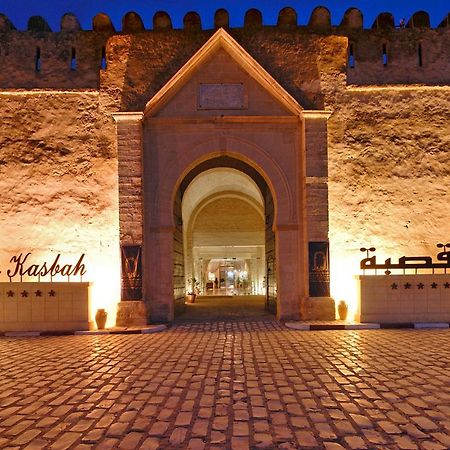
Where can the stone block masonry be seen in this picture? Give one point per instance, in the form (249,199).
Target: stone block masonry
(129,139)
(45,306)
(404,298)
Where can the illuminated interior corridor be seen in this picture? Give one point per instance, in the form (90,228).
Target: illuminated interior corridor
(224,245)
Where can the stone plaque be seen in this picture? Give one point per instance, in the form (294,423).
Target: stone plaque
(221,96)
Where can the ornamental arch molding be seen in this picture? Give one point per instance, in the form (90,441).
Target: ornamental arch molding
(247,153)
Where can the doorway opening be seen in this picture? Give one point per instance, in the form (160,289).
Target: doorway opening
(223,214)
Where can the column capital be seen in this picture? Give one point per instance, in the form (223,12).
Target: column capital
(128,117)
(321,114)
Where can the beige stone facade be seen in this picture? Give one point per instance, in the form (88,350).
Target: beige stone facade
(328,153)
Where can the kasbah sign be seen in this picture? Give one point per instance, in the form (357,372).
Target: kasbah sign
(21,267)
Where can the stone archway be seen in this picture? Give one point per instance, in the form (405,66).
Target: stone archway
(223,212)
(223,104)
(160,224)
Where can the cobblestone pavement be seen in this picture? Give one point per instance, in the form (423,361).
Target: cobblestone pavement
(227,386)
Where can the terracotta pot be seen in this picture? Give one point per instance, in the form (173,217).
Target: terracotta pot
(191,298)
(342,310)
(100,318)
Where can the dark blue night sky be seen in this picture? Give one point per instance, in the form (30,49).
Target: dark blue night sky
(19,11)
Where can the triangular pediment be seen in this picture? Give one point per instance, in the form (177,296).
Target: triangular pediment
(222,77)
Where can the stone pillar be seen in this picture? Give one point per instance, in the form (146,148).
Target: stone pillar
(290,286)
(158,275)
(317,304)
(131,310)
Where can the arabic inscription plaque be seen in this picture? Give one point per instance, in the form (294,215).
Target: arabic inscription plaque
(221,96)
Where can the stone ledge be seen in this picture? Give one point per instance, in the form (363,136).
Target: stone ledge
(322,326)
(117,330)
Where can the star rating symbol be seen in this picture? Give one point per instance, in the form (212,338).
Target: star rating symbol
(447,285)
(434,285)
(407,285)
(394,286)
(24,294)
(38,293)
(420,286)
(52,293)
(10,294)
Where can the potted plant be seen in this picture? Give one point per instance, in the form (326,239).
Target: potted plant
(192,290)
(342,310)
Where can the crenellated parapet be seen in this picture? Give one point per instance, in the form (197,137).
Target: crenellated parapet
(320,18)
(390,51)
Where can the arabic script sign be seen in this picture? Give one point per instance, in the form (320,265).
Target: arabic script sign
(408,262)
(21,267)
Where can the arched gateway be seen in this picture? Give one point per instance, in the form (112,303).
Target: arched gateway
(223,110)
(223,217)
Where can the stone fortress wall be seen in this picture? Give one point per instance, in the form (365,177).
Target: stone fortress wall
(388,135)
(413,54)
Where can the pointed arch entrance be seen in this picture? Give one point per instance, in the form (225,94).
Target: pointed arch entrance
(224,237)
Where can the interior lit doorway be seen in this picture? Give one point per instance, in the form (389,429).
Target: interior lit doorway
(231,276)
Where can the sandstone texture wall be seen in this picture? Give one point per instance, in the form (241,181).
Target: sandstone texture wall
(58,184)
(413,55)
(140,65)
(19,50)
(389,174)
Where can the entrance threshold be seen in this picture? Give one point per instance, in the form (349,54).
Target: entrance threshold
(214,308)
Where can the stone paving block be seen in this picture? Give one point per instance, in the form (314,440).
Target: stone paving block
(306,439)
(131,441)
(430,445)
(150,444)
(117,429)
(196,444)
(240,443)
(26,437)
(158,428)
(93,436)
(355,442)
(405,443)
(108,444)
(65,441)
(35,444)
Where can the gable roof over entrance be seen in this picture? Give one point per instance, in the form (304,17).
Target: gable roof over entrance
(222,40)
